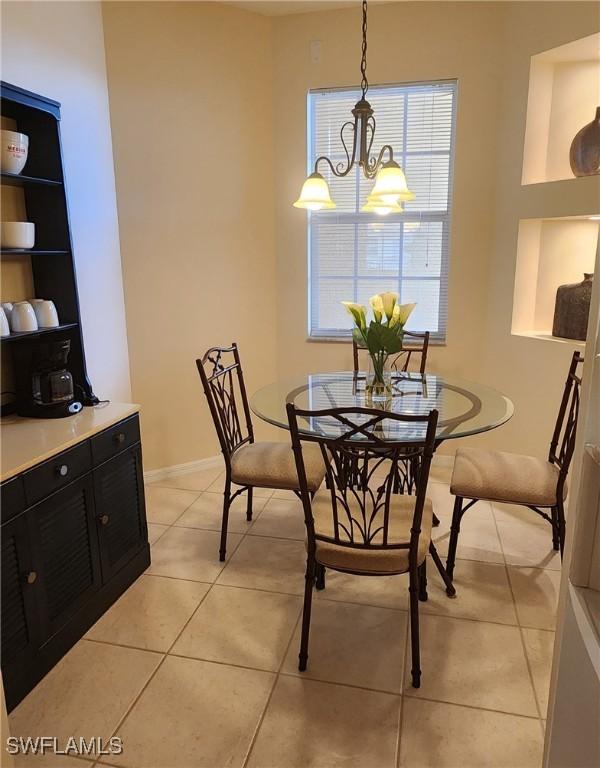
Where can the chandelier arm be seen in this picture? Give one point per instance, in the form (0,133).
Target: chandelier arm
(372,167)
(350,160)
(370,130)
(325,159)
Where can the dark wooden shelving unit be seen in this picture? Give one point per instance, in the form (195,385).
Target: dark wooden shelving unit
(73,528)
(52,264)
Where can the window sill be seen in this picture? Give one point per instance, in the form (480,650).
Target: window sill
(339,340)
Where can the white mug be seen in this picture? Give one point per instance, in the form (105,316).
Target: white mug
(45,312)
(17,234)
(7,306)
(4,328)
(15,147)
(23,317)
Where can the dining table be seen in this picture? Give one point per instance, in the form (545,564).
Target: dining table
(464,407)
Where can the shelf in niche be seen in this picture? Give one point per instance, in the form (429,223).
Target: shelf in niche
(40,332)
(550,252)
(564,91)
(20,180)
(547,336)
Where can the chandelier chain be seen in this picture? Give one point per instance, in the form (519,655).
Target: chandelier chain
(363,62)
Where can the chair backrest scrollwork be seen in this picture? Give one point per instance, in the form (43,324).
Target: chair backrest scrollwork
(562,444)
(361,459)
(221,374)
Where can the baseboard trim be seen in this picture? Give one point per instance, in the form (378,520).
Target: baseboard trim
(211,462)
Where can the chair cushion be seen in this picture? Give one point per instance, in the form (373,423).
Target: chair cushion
(373,561)
(508,477)
(272,465)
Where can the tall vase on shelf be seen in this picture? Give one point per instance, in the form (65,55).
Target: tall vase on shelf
(382,337)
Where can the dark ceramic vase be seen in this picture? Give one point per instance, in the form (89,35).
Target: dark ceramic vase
(585,149)
(572,309)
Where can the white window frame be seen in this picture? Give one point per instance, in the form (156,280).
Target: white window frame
(340,335)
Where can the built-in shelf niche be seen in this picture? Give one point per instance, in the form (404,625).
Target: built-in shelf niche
(564,91)
(550,252)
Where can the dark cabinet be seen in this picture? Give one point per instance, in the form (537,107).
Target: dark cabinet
(70,554)
(64,543)
(20,620)
(119,494)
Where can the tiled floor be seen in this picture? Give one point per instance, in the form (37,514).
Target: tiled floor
(196,665)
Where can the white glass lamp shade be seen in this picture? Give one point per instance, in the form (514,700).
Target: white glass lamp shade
(377,205)
(390,184)
(315,194)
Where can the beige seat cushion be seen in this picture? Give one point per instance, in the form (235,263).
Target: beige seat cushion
(509,477)
(272,465)
(371,560)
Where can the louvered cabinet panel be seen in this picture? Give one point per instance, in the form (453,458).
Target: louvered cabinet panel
(19,625)
(120,510)
(66,547)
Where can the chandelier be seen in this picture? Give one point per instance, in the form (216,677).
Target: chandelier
(390,189)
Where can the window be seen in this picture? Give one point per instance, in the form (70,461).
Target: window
(353,255)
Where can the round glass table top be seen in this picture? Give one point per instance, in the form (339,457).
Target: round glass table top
(465,408)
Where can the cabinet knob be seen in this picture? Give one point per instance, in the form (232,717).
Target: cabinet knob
(62,470)
(31,577)
(104,519)
(120,437)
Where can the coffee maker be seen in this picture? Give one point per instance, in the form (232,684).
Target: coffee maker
(52,392)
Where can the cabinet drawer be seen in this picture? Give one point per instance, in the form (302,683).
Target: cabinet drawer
(12,498)
(115,439)
(56,472)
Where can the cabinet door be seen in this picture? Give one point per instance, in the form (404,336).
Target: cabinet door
(120,510)
(20,582)
(65,545)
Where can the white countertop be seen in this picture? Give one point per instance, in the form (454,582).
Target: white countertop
(25,442)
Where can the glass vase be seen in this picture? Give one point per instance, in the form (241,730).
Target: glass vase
(379,376)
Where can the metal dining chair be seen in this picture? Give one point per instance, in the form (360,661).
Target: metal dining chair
(402,360)
(514,479)
(248,464)
(367,530)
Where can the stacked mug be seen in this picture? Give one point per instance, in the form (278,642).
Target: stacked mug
(24,316)
(14,149)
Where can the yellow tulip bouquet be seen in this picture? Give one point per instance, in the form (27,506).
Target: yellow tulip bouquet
(383,335)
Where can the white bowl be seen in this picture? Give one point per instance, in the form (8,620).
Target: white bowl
(14,149)
(17,234)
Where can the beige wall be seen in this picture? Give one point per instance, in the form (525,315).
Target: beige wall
(57,49)
(208,115)
(191,109)
(487,47)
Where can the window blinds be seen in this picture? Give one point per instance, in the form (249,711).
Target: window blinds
(353,255)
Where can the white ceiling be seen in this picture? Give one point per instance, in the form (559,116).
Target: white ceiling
(283,7)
